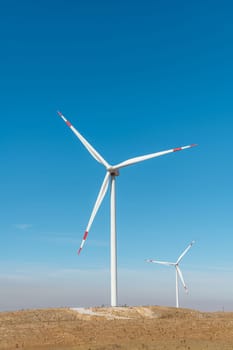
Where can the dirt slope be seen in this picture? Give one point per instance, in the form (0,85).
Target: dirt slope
(123,328)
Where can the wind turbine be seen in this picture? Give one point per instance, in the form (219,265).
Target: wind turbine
(111,172)
(178,271)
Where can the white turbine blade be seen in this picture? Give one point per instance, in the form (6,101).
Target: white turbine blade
(185,251)
(181,278)
(160,262)
(99,200)
(86,144)
(149,156)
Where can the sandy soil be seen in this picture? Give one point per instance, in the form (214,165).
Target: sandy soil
(136,328)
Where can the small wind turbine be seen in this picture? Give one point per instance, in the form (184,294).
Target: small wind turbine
(178,271)
(111,172)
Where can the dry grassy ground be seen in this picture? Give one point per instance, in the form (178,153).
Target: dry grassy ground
(123,328)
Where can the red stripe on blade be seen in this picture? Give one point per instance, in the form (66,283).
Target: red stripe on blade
(68,123)
(177,149)
(79,251)
(193,145)
(85,235)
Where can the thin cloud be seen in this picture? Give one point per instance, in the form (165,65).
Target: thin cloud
(22,226)
(58,238)
(69,238)
(99,243)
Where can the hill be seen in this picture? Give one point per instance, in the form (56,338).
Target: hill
(122,328)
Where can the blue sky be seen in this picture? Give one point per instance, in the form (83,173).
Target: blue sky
(134,77)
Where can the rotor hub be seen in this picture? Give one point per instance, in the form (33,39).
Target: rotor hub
(114,172)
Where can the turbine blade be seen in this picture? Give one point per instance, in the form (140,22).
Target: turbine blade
(98,202)
(86,144)
(181,278)
(160,262)
(149,156)
(185,251)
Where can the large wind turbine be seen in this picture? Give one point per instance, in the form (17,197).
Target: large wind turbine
(178,271)
(111,172)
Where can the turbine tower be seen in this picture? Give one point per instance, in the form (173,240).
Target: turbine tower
(112,171)
(178,270)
